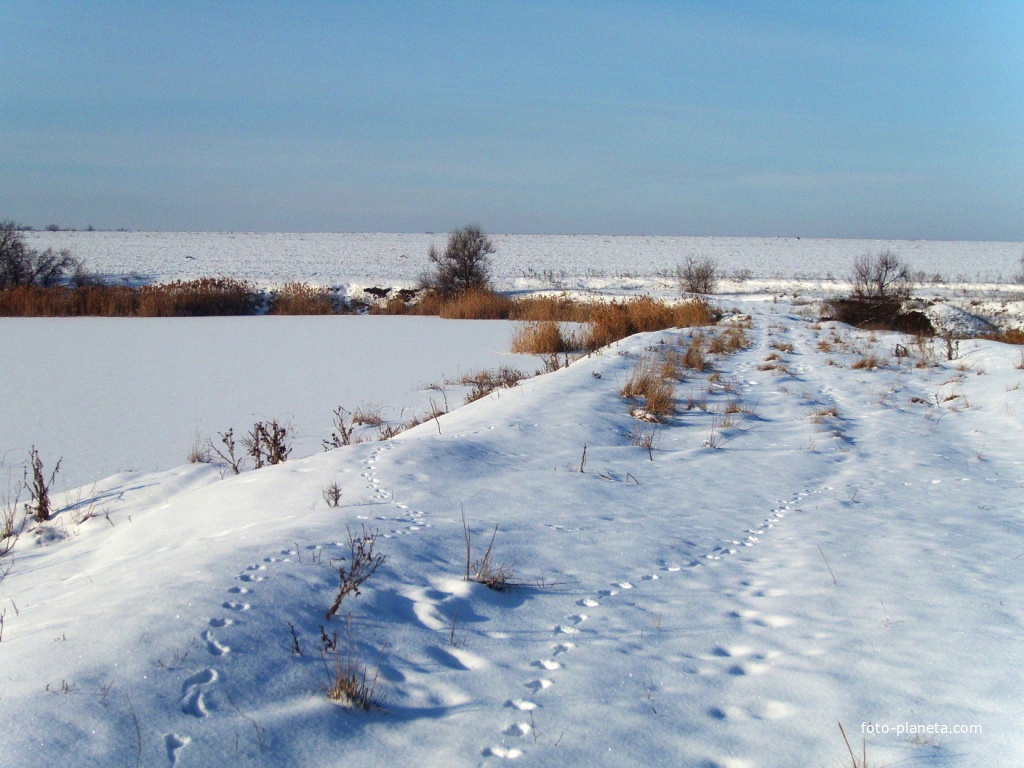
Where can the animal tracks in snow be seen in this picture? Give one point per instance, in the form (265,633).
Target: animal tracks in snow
(215,648)
(174,743)
(193,700)
(733,662)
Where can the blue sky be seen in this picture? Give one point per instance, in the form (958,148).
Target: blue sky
(830,119)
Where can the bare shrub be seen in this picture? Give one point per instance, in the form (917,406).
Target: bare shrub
(880,277)
(267,443)
(363,562)
(332,494)
(38,505)
(485,382)
(462,265)
(24,266)
(540,337)
(226,451)
(11,522)
(344,426)
(697,275)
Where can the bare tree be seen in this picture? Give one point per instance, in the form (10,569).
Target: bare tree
(697,275)
(21,265)
(14,256)
(463,265)
(881,277)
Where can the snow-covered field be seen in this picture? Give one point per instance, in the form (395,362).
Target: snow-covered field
(585,262)
(807,543)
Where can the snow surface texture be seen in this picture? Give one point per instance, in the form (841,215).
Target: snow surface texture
(570,262)
(846,547)
(111,394)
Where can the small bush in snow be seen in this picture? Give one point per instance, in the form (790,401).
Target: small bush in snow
(226,453)
(332,494)
(344,426)
(38,505)
(363,562)
(266,443)
(485,382)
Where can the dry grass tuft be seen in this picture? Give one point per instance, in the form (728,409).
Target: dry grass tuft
(736,339)
(493,575)
(695,358)
(540,337)
(644,437)
(618,319)
(301,299)
(819,415)
(868,361)
(672,366)
(695,401)
(855,761)
(369,415)
(607,321)
(349,683)
(1012,336)
(658,394)
(205,297)
(475,304)
(553,308)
